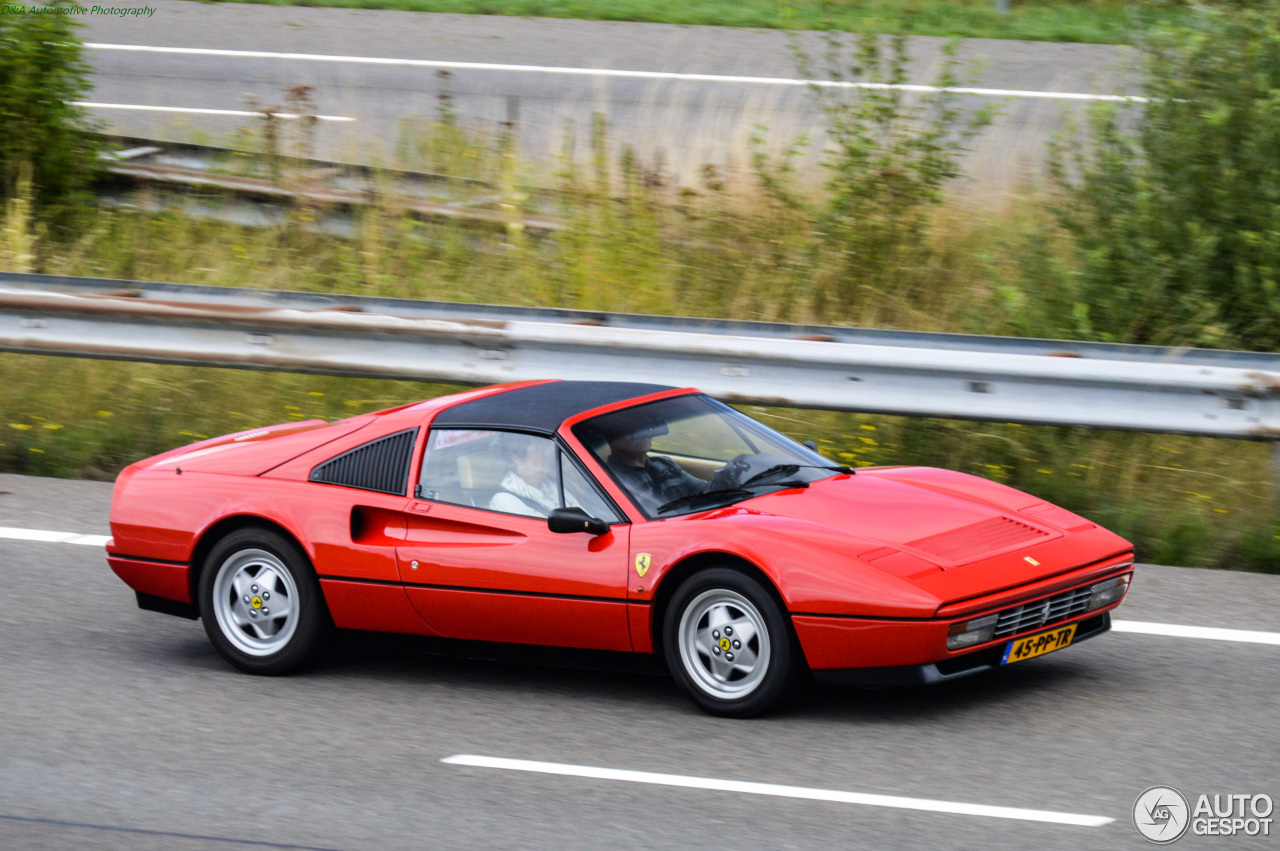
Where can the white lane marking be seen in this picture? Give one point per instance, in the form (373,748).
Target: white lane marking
(778,791)
(191,110)
(45,536)
(608,72)
(1209,633)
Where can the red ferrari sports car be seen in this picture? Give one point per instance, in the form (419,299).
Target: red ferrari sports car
(613,516)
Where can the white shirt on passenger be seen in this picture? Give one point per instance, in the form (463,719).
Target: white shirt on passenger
(520,497)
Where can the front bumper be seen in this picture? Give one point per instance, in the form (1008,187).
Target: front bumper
(948,669)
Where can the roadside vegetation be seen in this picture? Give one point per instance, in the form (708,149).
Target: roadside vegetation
(1123,244)
(48,153)
(1091,21)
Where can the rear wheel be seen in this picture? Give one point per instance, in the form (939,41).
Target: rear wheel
(728,645)
(261,602)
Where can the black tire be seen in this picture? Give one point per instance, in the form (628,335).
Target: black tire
(268,563)
(777,671)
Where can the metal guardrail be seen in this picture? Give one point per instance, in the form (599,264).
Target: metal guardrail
(1049,382)
(280,181)
(448,310)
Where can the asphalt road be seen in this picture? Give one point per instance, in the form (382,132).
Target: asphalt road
(679,125)
(122,728)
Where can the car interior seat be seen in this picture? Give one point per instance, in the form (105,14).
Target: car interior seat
(480,474)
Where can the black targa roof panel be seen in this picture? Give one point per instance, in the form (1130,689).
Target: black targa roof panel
(542,407)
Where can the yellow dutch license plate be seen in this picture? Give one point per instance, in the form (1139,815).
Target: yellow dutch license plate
(1038,644)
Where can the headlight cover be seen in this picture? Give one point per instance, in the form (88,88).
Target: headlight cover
(1108,592)
(968,633)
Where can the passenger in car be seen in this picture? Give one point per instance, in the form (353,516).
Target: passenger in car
(529,487)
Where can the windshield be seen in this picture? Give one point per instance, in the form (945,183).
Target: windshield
(691,453)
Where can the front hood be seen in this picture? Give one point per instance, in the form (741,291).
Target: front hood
(936,528)
(253,452)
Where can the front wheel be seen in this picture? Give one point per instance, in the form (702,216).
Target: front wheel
(728,645)
(261,602)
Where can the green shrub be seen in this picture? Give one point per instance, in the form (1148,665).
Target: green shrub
(889,157)
(42,134)
(1177,223)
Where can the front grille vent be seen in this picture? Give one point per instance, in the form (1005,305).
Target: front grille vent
(987,537)
(381,465)
(1043,612)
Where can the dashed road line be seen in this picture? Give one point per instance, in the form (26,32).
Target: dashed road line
(44,536)
(609,72)
(778,791)
(191,110)
(1208,633)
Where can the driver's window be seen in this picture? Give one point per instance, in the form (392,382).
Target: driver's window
(495,470)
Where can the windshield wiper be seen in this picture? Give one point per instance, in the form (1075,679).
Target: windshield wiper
(742,490)
(695,497)
(772,471)
(791,468)
(839,468)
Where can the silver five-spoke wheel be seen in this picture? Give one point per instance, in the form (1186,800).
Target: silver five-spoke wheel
(261,602)
(255,601)
(728,643)
(724,644)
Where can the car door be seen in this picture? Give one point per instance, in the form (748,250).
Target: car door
(479,562)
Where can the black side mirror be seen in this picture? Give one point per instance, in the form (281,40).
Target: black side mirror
(566,520)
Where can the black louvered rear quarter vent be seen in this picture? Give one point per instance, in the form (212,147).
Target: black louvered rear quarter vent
(380,465)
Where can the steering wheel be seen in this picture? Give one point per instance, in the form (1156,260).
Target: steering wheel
(733,473)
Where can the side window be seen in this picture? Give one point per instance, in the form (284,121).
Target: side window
(579,493)
(495,470)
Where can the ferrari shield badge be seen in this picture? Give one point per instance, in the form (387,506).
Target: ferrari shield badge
(1029,560)
(642,563)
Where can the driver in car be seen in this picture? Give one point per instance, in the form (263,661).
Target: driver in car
(650,481)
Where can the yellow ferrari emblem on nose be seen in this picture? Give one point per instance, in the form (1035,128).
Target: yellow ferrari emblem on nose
(1029,560)
(256,602)
(725,644)
(643,561)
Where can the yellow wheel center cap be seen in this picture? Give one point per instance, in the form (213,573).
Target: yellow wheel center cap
(256,602)
(725,644)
